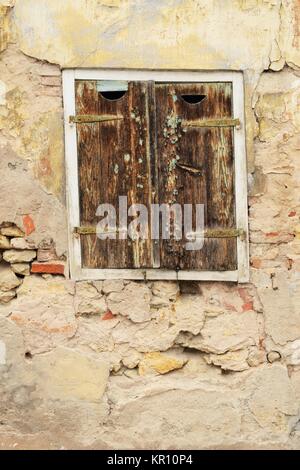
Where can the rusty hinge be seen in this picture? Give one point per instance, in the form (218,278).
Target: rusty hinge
(86,118)
(208,233)
(225,122)
(89,230)
(225,233)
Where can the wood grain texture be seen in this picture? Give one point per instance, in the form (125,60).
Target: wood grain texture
(150,157)
(196,166)
(113,161)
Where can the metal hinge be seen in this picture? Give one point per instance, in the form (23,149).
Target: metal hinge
(88,118)
(93,230)
(208,233)
(225,233)
(225,122)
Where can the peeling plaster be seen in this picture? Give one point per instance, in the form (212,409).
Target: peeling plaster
(202,350)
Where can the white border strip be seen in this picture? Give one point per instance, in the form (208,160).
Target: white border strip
(240,176)
(71,173)
(77,272)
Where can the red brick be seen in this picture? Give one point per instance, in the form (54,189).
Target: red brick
(247,306)
(48,268)
(28,224)
(108,315)
(292,214)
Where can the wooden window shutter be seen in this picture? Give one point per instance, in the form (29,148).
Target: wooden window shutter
(196,165)
(158,143)
(113,160)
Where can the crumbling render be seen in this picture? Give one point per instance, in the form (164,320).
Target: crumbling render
(217,365)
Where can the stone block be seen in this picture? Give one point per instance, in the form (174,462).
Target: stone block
(88,300)
(46,251)
(156,362)
(22,244)
(12,231)
(66,374)
(23,269)
(7,296)
(4,242)
(8,279)
(132,302)
(19,256)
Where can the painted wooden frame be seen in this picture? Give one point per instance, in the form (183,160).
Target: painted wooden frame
(76,270)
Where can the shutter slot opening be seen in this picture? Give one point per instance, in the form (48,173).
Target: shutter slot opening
(193,99)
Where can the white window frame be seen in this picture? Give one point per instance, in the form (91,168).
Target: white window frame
(240,167)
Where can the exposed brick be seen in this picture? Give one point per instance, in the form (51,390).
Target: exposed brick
(48,268)
(28,224)
(108,315)
(247,306)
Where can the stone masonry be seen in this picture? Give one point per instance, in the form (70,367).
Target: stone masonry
(121,364)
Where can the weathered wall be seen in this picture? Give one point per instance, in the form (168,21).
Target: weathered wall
(194,365)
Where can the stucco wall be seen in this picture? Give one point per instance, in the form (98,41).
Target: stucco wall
(139,365)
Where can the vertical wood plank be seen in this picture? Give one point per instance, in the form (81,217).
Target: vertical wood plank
(113,161)
(209,153)
(154,164)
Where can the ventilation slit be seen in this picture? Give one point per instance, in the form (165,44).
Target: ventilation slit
(112,95)
(193,99)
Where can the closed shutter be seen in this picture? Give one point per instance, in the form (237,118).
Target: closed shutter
(196,166)
(160,142)
(113,161)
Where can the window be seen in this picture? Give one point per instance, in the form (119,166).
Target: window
(153,140)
